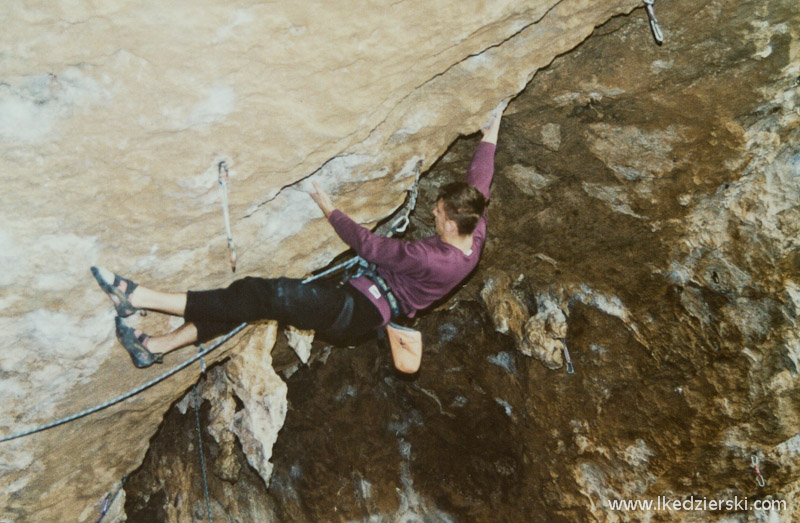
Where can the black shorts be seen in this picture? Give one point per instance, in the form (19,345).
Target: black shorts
(340,314)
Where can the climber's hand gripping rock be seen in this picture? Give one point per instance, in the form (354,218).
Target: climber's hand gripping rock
(322,199)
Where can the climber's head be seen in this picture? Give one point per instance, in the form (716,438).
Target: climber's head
(459,206)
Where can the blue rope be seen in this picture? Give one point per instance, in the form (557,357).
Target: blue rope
(130,394)
(344,265)
(202,456)
(110,499)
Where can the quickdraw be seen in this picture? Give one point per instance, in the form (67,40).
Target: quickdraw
(567,359)
(759,478)
(222,178)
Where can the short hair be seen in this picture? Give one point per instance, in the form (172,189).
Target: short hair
(464,204)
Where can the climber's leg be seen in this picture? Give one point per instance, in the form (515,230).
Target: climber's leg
(184,335)
(128,297)
(169,302)
(135,342)
(286,300)
(336,313)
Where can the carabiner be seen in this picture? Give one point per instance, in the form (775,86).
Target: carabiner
(651,14)
(759,478)
(568,362)
(397,227)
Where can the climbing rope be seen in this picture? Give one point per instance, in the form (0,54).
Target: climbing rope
(759,478)
(651,14)
(344,265)
(222,179)
(202,456)
(202,360)
(567,359)
(110,499)
(130,394)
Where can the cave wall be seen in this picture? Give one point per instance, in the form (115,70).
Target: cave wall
(113,119)
(645,209)
(664,227)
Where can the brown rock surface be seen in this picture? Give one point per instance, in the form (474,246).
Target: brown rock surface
(667,230)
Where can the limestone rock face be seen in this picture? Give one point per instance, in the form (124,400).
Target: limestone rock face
(545,332)
(254,420)
(671,231)
(677,278)
(300,341)
(539,335)
(113,121)
(263,395)
(507,310)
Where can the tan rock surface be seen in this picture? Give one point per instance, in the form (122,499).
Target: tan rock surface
(112,121)
(263,395)
(544,332)
(506,308)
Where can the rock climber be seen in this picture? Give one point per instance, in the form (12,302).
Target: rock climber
(410,276)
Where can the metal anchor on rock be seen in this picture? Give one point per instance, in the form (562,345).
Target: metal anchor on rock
(651,14)
(759,478)
(568,361)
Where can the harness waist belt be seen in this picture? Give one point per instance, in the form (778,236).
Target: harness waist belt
(387,291)
(364,268)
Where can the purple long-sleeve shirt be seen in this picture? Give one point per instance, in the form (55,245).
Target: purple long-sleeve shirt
(418,272)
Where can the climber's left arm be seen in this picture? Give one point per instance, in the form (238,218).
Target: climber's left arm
(390,253)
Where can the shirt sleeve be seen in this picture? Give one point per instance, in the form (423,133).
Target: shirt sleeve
(396,255)
(481,168)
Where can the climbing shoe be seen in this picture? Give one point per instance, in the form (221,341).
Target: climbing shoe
(135,345)
(109,282)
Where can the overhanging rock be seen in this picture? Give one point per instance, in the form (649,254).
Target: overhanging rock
(112,122)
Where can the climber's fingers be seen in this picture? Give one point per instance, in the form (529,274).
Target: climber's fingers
(322,199)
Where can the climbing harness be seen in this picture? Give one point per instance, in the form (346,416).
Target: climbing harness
(110,499)
(200,447)
(222,179)
(130,394)
(759,478)
(370,270)
(651,14)
(570,368)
